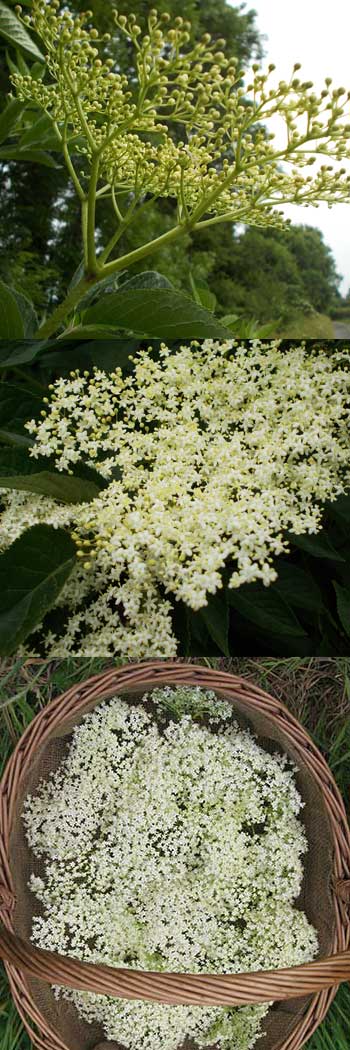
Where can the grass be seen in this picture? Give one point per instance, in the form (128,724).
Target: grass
(316,690)
(308,326)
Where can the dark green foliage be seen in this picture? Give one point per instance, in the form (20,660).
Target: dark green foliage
(154,311)
(32,573)
(22,472)
(315,265)
(271,274)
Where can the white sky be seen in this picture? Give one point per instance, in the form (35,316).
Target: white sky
(317,35)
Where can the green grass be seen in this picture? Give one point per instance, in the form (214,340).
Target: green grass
(308,326)
(316,690)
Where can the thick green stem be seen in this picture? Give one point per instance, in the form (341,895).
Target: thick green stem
(59,315)
(91,214)
(53,323)
(84,230)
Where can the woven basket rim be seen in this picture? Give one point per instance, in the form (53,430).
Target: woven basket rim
(146,675)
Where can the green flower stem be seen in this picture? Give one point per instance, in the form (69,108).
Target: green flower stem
(124,222)
(72,172)
(114,240)
(146,249)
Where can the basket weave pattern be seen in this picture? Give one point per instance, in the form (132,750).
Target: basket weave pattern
(319,978)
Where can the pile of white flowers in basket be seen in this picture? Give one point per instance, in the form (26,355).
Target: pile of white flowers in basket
(222,449)
(170,841)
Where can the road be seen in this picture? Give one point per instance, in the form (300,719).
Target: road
(341,330)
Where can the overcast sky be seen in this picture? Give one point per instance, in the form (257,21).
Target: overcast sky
(317,35)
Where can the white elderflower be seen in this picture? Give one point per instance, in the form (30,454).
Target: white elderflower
(222,449)
(170,841)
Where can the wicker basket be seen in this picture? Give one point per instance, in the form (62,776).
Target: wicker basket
(28,966)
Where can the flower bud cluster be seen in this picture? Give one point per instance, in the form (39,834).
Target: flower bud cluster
(222,449)
(170,844)
(225,163)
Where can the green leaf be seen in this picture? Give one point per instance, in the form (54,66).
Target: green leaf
(89,331)
(298,587)
(42,133)
(343,605)
(103,353)
(17,405)
(207,298)
(230,320)
(13,303)
(13,31)
(20,471)
(160,312)
(38,71)
(216,619)
(9,117)
(247,328)
(19,353)
(29,317)
(341,508)
(263,330)
(147,279)
(265,607)
(9,437)
(202,294)
(107,285)
(319,546)
(77,275)
(34,156)
(193,634)
(32,573)
(10,63)
(21,64)
(11,322)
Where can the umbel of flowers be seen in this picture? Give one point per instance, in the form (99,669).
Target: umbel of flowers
(186,127)
(170,841)
(219,450)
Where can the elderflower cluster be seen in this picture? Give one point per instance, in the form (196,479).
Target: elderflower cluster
(222,450)
(221,161)
(170,845)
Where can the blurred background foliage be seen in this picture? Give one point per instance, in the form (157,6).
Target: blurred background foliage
(286,278)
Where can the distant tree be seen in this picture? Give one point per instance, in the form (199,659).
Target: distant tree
(270,274)
(316,266)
